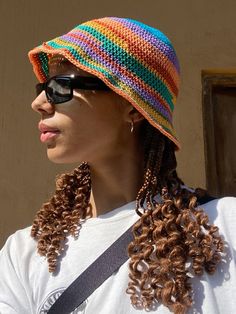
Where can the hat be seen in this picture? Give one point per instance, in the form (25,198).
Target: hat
(135,60)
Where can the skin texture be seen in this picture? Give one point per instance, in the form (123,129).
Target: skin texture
(95,126)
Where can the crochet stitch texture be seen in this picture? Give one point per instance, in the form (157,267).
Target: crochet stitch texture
(135,60)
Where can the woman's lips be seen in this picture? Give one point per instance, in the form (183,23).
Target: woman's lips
(47,132)
(47,136)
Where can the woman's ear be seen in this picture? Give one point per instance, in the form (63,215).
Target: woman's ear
(132,114)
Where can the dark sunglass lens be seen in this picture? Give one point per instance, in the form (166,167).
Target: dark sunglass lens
(59,90)
(89,83)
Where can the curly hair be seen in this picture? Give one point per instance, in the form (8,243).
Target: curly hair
(63,214)
(171,239)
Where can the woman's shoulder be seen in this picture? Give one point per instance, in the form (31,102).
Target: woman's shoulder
(20,235)
(222,213)
(221,206)
(19,244)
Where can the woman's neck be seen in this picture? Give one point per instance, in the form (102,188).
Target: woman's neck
(116,181)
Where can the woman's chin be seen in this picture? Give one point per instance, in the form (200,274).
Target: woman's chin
(61,157)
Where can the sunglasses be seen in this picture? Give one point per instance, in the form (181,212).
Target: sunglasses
(60,88)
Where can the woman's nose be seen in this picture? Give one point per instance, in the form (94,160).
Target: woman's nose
(41,104)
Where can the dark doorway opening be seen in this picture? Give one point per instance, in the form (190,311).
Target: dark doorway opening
(219,122)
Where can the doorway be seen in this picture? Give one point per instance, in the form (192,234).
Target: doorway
(219,124)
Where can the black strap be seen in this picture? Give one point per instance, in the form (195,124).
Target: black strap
(101,269)
(93,276)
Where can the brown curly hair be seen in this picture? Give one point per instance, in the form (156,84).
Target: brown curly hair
(63,214)
(172,238)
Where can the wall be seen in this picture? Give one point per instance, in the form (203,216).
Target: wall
(203,33)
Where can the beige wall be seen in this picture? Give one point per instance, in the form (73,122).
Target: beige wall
(202,31)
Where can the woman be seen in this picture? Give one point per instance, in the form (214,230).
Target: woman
(106,98)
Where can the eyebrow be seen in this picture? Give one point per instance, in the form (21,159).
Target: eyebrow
(58,59)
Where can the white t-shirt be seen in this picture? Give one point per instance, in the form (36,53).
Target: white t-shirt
(26,286)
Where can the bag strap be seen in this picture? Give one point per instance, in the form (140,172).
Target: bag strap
(101,269)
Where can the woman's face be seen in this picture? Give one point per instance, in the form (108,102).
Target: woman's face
(91,126)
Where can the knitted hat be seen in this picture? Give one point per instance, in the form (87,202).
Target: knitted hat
(135,60)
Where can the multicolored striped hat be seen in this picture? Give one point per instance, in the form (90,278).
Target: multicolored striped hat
(135,60)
